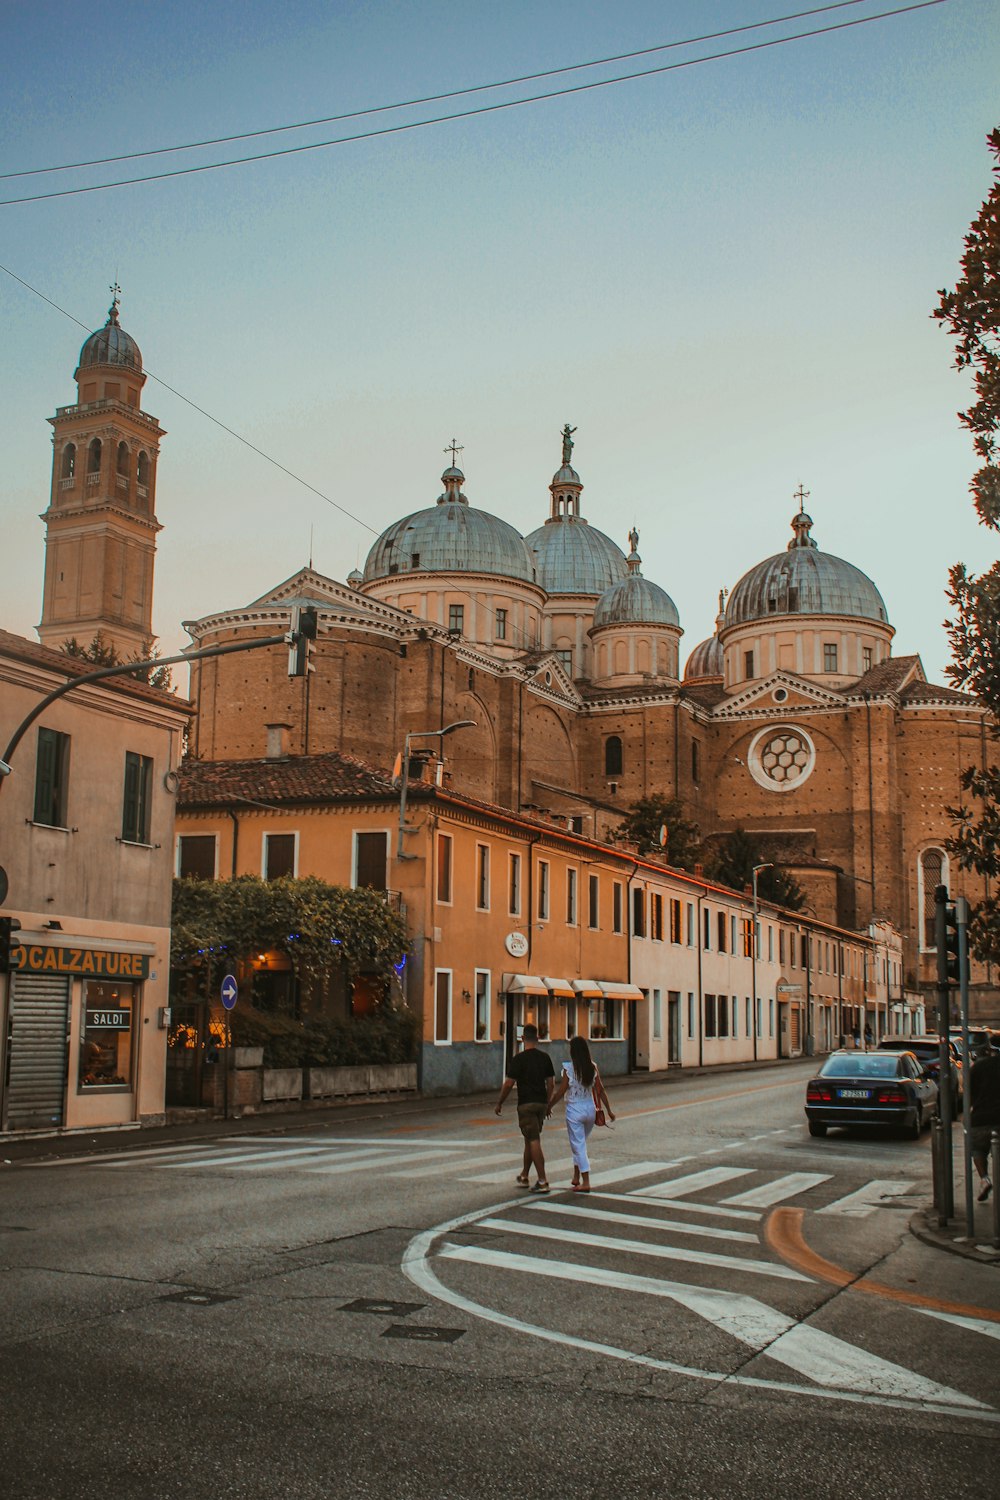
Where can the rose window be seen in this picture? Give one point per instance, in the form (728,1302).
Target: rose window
(781,759)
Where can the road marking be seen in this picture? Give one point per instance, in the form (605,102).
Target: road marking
(240,1157)
(702,1231)
(376,1160)
(643,1247)
(417,1269)
(820,1357)
(679,1187)
(770,1193)
(971,1325)
(868,1198)
(463,1167)
(679,1206)
(783,1232)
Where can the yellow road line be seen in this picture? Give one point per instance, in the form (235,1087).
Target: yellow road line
(783,1233)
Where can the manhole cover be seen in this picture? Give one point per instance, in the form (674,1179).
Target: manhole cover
(427,1335)
(382,1309)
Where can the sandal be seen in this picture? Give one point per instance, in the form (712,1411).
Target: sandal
(578,1187)
(522,1181)
(541,1186)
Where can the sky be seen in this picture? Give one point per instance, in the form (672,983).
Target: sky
(722,275)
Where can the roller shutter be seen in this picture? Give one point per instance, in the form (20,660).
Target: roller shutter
(36,1078)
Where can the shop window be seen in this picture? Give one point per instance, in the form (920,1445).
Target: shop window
(442,1005)
(514,886)
(279,855)
(196,856)
(710,1015)
(371,860)
(456,618)
(52,779)
(594,901)
(613,760)
(617,902)
(543,890)
(482,877)
(138,797)
(571,898)
(606,1019)
(482,1005)
(106,1037)
(444,867)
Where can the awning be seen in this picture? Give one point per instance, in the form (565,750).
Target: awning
(524,984)
(588,989)
(560,987)
(615,991)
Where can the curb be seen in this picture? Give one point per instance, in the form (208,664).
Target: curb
(924,1227)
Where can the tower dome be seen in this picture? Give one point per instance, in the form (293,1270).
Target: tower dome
(635,600)
(111,345)
(573,557)
(705,664)
(450,537)
(804,581)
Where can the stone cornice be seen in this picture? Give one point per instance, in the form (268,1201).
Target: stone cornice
(101,409)
(62,517)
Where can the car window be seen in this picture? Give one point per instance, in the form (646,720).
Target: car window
(861,1065)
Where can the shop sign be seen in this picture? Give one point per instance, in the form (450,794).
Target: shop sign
(516,944)
(108,1020)
(37,958)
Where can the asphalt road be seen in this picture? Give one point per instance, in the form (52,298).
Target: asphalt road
(369,1306)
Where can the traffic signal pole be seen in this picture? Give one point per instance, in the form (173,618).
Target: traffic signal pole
(946,1184)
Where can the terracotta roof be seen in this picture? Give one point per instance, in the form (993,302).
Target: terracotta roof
(18,648)
(707,694)
(930,692)
(294,778)
(887,676)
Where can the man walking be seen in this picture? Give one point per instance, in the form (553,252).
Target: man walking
(534,1075)
(984,1117)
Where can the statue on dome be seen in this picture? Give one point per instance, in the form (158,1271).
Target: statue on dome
(633,539)
(567,437)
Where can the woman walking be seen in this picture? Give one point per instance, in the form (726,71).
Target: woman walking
(582,1084)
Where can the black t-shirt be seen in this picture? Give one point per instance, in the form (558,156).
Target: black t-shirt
(984,1091)
(529,1070)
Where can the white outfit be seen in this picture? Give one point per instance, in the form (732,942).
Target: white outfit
(579,1117)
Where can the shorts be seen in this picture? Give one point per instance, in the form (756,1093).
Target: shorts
(979,1138)
(531,1118)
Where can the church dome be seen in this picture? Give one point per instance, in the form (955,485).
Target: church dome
(571,556)
(450,537)
(707,661)
(804,581)
(111,345)
(635,600)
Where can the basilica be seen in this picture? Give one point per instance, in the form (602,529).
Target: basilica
(564,664)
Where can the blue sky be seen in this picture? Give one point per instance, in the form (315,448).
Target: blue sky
(721,275)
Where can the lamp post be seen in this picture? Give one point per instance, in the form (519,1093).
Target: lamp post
(404,773)
(767,865)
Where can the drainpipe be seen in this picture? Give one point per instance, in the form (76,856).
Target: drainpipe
(701,997)
(236,842)
(531,894)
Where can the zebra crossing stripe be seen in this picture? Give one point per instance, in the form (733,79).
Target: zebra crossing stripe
(240,1157)
(770,1193)
(702,1231)
(374,1159)
(828,1361)
(694,1182)
(867,1199)
(642,1247)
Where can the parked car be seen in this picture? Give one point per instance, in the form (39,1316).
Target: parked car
(871,1088)
(928,1050)
(981,1042)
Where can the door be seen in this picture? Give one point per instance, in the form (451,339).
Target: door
(674,1027)
(36,1063)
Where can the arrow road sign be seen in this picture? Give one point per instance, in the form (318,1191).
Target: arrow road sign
(229,991)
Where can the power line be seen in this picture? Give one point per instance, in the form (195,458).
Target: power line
(484,109)
(248,135)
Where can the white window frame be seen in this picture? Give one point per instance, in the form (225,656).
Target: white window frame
(593,906)
(215,857)
(572,896)
(544,889)
(447,974)
(448,900)
(482,877)
(387,832)
(487,976)
(280,833)
(514,885)
(617,908)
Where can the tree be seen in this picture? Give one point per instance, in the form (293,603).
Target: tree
(732,863)
(971,314)
(642,827)
(105,654)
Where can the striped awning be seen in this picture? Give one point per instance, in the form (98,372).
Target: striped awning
(587,989)
(612,990)
(524,984)
(560,987)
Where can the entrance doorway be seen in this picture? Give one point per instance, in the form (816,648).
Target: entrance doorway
(36,1058)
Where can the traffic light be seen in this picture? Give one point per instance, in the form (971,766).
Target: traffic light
(946,938)
(10,948)
(304,625)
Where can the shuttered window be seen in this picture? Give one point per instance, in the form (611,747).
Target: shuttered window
(137,801)
(52,779)
(371,859)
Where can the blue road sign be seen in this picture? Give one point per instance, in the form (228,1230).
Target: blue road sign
(229,991)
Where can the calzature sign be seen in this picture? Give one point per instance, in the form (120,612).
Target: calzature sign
(91,962)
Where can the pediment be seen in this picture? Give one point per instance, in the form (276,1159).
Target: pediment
(779,694)
(549,675)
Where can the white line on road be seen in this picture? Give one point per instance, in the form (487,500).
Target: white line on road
(702,1231)
(679,1187)
(679,1206)
(376,1160)
(237,1157)
(642,1247)
(770,1193)
(868,1198)
(971,1325)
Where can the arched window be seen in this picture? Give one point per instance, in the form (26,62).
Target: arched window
(613,756)
(932,871)
(94,457)
(121,460)
(69,461)
(142,473)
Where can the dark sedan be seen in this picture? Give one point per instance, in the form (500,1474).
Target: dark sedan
(871,1088)
(927,1050)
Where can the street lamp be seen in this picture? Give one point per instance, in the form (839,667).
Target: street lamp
(767,865)
(404,774)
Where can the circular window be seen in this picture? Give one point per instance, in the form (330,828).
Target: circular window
(548,679)
(780,695)
(781,759)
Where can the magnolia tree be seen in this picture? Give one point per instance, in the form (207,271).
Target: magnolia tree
(971,314)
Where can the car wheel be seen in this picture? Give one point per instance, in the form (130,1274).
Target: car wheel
(913,1132)
(815,1128)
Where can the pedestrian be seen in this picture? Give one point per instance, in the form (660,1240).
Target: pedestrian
(984,1116)
(869,1036)
(532,1072)
(584,1090)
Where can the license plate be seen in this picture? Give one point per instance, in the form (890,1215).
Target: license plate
(854,1093)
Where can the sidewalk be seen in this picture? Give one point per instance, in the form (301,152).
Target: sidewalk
(953,1236)
(36,1147)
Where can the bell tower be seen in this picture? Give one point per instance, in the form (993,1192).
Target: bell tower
(100,527)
